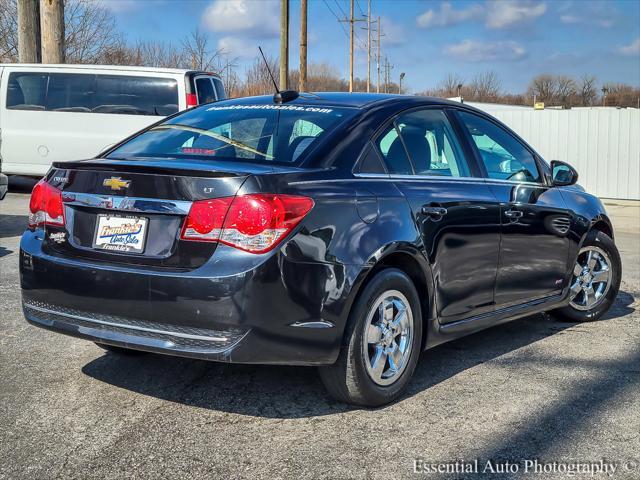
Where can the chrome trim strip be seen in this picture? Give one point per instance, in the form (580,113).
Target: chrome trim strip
(127,204)
(385,177)
(315,324)
(129,327)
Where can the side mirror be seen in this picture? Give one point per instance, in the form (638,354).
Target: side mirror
(563,174)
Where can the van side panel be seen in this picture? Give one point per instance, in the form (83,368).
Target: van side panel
(34,138)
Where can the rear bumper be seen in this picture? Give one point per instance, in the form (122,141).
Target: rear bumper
(236,308)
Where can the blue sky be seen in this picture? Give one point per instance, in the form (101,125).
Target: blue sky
(426,39)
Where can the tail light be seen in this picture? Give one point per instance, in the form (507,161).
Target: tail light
(192,100)
(254,223)
(45,206)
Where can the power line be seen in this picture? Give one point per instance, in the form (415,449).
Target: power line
(344,30)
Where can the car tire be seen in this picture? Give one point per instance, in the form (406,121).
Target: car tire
(351,378)
(606,250)
(120,350)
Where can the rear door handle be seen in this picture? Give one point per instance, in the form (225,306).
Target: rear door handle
(513,213)
(434,211)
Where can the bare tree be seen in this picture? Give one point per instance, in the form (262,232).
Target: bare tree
(448,87)
(197,51)
(8,31)
(543,88)
(566,90)
(90,32)
(622,95)
(587,90)
(485,87)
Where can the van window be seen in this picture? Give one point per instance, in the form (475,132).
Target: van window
(89,93)
(219,89)
(27,91)
(204,87)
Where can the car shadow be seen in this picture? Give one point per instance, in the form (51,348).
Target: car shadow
(296,392)
(12,225)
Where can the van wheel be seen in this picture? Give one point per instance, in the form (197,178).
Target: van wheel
(382,343)
(120,350)
(595,281)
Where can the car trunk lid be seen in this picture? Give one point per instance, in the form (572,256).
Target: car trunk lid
(133,211)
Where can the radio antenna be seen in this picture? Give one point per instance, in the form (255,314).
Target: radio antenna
(275,85)
(279,97)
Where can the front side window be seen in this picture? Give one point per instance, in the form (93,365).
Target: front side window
(504,157)
(431,144)
(256,132)
(89,93)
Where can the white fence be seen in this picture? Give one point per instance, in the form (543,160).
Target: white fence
(603,144)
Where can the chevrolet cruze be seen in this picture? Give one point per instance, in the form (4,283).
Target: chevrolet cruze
(347,231)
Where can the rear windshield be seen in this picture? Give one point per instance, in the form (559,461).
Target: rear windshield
(261,132)
(89,93)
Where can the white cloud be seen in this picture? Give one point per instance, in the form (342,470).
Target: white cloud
(447,15)
(473,51)
(597,14)
(251,18)
(504,14)
(494,14)
(632,49)
(238,47)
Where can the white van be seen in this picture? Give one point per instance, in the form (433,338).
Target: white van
(54,113)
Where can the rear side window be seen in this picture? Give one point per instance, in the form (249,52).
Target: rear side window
(393,152)
(370,162)
(431,143)
(89,93)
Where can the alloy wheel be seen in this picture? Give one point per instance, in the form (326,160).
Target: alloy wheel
(388,337)
(591,278)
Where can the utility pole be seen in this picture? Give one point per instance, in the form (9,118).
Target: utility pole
(368,46)
(378,63)
(351,38)
(387,74)
(284,45)
(352,35)
(52,27)
(400,83)
(29,31)
(302,83)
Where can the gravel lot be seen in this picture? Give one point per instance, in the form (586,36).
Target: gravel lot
(531,389)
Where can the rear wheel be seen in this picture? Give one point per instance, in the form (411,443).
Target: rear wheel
(120,350)
(595,281)
(382,343)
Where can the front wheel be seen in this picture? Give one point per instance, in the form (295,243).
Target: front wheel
(595,281)
(382,343)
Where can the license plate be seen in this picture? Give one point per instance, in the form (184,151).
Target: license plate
(120,234)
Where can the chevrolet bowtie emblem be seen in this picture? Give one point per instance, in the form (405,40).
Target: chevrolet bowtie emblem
(116,183)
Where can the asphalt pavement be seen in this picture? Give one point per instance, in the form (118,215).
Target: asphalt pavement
(533,389)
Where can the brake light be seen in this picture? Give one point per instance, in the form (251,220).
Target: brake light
(254,223)
(192,100)
(45,206)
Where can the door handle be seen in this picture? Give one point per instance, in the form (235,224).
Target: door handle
(515,214)
(432,211)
